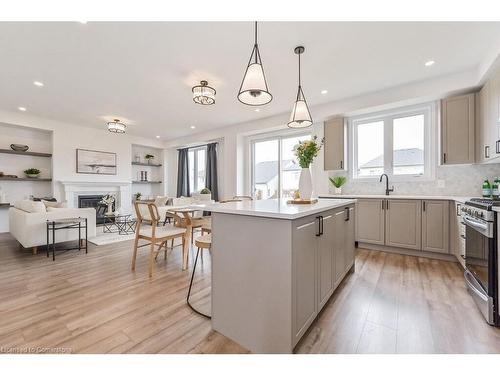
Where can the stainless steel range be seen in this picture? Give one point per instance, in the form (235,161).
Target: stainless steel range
(481,255)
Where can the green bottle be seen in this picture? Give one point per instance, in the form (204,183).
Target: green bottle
(494,189)
(486,189)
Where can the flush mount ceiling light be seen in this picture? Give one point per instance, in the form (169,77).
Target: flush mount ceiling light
(204,94)
(116,126)
(300,117)
(253,89)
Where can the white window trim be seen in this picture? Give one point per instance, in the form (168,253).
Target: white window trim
(430,111)
(280,135)
(195,187)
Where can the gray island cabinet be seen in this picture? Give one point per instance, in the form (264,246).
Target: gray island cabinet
(275,266)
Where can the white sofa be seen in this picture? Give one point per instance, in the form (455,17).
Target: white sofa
(28,219)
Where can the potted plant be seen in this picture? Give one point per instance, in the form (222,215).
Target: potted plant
(306,151)
(337,183)
(138,196)
(32,173)
(205,194)
(149,158)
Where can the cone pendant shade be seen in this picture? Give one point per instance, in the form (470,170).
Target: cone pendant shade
(300,117)
(253,90)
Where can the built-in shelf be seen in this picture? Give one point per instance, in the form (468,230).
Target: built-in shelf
(24,179)
(26,153)
(146,182)
(146,164)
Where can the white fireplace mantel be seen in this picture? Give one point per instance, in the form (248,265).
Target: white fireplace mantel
(121,189)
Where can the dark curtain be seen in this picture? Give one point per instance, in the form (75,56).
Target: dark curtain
(183,173)
(211,170)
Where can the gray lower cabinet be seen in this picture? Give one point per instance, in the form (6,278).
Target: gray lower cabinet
(435,226)
(370,221)
(402,223)
(322,255)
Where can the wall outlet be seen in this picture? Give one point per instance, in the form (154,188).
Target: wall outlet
(441,183)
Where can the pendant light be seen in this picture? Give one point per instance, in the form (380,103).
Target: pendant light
(253,89)
(300,117)
(116,126)
(203,94)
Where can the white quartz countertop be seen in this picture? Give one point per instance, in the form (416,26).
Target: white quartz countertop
(276,208)
(394,196)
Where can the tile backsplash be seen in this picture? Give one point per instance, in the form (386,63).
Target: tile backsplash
(460,180)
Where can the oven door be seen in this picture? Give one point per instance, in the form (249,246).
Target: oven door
(479,251)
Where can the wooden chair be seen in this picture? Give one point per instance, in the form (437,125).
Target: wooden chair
(196,223)
(157,236)
(202,242)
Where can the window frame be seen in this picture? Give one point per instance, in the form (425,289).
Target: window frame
(279,136)
(428,110)
(194,188)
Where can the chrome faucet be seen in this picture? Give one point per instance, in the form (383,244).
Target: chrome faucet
(387,190)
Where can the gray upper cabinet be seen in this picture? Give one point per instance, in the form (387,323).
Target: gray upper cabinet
(435,226)
(402,223)
(458,129)
(334,151)
(488,120)
(370,221)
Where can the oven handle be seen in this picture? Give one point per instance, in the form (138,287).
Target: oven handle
(480,294)
(475,224)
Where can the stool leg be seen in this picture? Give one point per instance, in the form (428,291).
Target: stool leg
(190,286)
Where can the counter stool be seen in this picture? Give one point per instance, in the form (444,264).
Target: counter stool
(202,242)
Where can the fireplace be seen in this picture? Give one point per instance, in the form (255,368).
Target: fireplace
(85,201)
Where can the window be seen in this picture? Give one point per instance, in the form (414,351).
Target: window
(396,143)
(275,170)
(197,166)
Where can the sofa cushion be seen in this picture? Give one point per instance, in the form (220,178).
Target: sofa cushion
(182,201)
(30,206)
(54,204)
(59,209)
(161,201)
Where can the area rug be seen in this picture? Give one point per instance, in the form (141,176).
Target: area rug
(108,238)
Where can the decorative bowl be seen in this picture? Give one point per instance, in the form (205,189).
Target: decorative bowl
(32,175)
(18,147)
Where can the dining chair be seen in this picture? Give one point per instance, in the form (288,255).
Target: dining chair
(148,229)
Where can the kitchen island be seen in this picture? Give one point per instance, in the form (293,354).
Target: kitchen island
(274,267)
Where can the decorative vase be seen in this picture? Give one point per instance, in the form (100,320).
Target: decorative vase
(32,175)
(305,184)
(110,209)
(337,190)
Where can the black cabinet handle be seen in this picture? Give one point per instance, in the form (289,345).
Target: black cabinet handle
(486,152)
(497,147)
(444,158)
(320,226)
(341,164)
(348,217)
(423,205)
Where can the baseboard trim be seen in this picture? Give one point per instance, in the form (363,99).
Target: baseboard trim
(403,251)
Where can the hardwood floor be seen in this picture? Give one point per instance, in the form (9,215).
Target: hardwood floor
(94,304)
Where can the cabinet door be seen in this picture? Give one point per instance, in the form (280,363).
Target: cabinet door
(334,144)
(304,261)
(326,245)
(493,115)
(457,129)
(480,131)
(403,223)
(435,226)
(340,251)
(350,247)
(370,221)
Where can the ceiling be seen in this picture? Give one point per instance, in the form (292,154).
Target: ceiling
(143,72)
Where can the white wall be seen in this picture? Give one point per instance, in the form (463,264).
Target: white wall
(233,173)
(66,138)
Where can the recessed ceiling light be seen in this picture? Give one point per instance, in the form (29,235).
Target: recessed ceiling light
(324,92)
(22,109)
(38,83)
(84,22)
(257,109)
(157,137)
(429,63)
(193,127)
